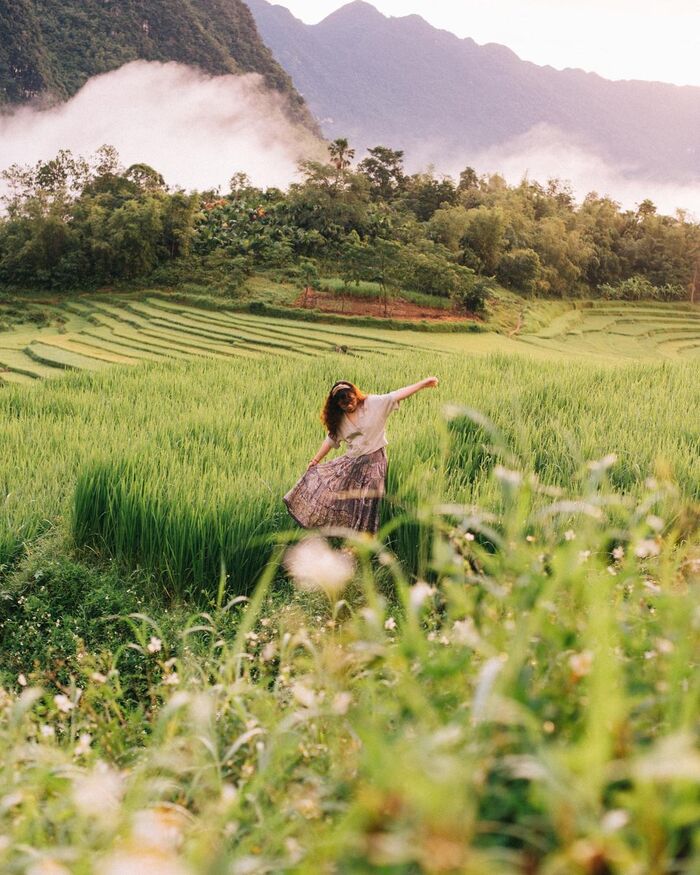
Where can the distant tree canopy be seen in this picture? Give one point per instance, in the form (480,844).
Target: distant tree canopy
(72,222)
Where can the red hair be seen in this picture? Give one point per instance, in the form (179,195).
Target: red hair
(332,413)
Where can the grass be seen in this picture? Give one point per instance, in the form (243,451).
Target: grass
(176,485)
(504,681)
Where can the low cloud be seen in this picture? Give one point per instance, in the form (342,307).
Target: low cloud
(545,152)
(196,130)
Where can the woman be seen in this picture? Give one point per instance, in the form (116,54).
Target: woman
(345,493)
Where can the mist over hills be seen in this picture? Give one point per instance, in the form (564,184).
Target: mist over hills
(403,83)
(50,48)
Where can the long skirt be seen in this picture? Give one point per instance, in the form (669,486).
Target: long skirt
(344,493)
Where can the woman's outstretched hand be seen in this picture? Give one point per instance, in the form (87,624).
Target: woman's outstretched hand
(431,382)
(312,464)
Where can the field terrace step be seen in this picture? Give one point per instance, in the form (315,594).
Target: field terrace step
(50,353)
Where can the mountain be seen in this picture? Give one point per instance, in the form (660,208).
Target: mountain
(402,83)
(50,48)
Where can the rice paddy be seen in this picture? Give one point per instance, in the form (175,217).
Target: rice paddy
(537,685)
(181,463)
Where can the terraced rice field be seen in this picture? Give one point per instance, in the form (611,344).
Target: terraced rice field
(622,330)
(94,334)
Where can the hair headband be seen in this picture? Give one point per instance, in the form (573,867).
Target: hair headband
(342,386)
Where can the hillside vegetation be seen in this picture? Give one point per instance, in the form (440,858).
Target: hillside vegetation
(51,49)
(75,223)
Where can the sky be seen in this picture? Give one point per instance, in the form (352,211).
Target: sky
(619,39)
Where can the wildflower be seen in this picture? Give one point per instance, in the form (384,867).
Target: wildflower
(172,679)
(304,695)
(154,645)
(83,745)
(47,866)
(341,703)
(612,570)
(465,632)
(98,677)
(390,624)
(530,539)
(47,731)
(603,464)
(615,820)
(663,645)
(655,523)
(160,827)
(569,535)
(509,478)
(651,585)
(618,553)
(581,663)
(97,793)
(268,652)
(584,555)
(419,593)
(315,566)
(646,549)
(469,536)
(548,726)
(128,861)
(63,703)
(22,680)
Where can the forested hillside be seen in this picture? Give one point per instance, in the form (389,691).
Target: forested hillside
(52,47)
(404,83)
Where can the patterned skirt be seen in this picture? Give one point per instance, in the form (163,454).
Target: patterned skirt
(344,493)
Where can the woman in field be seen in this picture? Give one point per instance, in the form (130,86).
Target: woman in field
(345,493)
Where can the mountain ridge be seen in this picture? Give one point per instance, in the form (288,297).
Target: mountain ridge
(50,48)
(404,83)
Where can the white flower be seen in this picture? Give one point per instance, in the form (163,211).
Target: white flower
(98,677)
(172,679)
(22,680)
(47,867)
(63,703)
(584,555)
(304,695)
(154,645)
(315,566)
(419,593)
(618,553)
(603,464)
(47,731)
(134,861)
(646,549)
(581,663)
(469,536)
(510,478)
(390,624)
(465,632)
(97,793)
(569,535)
(341,703)
(614,820)
(83,745)
(655,523)
(160,827)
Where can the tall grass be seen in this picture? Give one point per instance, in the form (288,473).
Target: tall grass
(535,710)
(177,466)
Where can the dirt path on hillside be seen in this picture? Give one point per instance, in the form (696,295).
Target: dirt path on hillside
(397,308)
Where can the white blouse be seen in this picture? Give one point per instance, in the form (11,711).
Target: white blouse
(366,434)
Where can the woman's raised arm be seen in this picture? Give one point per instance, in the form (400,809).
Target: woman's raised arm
(407,391)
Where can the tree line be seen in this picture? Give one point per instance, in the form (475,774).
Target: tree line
(76,223)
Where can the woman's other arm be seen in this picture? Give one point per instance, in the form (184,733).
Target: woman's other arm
(323,451)
(407,391)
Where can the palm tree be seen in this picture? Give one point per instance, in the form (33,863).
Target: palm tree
(341,156)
